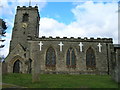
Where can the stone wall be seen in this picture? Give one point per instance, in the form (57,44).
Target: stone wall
(102,58)
(3,68)
(116,65)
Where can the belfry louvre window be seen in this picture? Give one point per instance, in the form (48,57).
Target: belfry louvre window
(90,59)
(50,58)
(25,17)
(71,58)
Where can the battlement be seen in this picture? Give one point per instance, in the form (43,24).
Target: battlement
(26,8)
(79,39)
(85,38)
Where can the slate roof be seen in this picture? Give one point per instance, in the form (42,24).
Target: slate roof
(116,45)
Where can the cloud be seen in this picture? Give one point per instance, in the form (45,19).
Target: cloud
(98,19)
(92,20)
(50,27)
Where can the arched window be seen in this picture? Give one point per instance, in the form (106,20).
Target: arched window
(71,58)
(50,58)
(90,59)
(25,17)
(17,66)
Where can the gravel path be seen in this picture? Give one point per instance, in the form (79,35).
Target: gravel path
(6,85)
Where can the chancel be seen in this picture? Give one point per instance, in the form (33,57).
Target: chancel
(31,53)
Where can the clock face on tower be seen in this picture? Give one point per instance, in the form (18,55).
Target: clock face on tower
(24,25)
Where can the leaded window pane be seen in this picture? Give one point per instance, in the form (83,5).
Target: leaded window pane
(50,57)
(90,58)
(71,58)
(68,57)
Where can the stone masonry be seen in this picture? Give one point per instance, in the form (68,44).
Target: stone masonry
(29,52)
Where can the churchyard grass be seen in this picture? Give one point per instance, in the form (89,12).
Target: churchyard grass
(61,81)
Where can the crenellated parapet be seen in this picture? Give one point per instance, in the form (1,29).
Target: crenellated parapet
(72,39)
(29,7)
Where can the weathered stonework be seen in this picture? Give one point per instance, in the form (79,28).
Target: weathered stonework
(116,63)
(101,57)
(25,48)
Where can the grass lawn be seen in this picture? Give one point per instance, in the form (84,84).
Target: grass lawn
(61,81)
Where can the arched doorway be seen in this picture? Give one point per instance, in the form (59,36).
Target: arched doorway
(90,59)
(17,66)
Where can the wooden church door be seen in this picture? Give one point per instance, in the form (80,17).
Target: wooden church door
(16,67)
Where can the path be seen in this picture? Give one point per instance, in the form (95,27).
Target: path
(6,85)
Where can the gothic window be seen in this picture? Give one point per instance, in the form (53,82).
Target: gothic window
(16,66)
(71,58)
(25,17)
(90,59)
(50,58)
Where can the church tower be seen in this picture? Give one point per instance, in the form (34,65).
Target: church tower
(26,25)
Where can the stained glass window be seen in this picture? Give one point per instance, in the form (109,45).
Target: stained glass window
(90,58)
(50,57)
(71,58)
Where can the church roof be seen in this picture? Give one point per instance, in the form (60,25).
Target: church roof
(116,45)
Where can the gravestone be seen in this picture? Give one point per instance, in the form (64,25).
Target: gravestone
(0,75)
(4,68)
(36,63)
(116,64)
(119,66)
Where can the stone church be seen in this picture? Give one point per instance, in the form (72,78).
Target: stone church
(30,53)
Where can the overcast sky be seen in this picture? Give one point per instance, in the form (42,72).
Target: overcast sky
(83,18)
